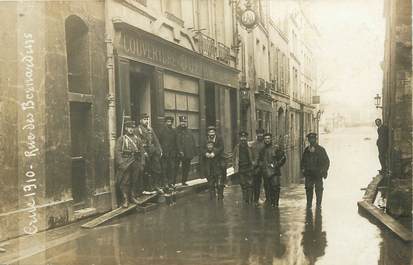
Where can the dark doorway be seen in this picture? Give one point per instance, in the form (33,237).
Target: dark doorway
(210,107)
(139,95)
(80,131)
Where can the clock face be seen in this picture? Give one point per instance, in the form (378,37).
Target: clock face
(248,18)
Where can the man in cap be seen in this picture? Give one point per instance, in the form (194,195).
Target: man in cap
(382,144)
(152,170)
(212,170)
(314,166)
(129,159)
(218,150)
(271,159)
(186,147)
(244,163)
(257,146)
(167,139)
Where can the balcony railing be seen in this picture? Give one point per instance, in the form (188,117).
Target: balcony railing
(263,86)
(223,53)
(206,46)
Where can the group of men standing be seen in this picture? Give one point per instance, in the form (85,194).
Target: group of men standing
(147,164)
(261,161)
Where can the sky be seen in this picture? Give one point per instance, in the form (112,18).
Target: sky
(352,42)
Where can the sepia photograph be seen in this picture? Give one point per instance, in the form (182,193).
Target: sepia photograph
(206,132)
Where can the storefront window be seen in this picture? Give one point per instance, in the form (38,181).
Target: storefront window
(182,99)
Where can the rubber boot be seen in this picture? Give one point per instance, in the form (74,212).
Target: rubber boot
(125,200)
(309,195)
(212,192)
(276,197)
(220,193)
(319,196)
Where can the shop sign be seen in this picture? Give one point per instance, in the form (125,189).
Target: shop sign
(150,49)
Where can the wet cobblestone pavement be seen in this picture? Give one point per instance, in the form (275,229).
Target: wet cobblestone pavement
(198,231)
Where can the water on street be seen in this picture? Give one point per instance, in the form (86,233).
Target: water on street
(198,231)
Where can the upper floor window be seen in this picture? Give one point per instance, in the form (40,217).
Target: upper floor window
(173,7)
(77,51)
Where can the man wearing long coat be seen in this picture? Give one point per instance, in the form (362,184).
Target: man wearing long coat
(186,146)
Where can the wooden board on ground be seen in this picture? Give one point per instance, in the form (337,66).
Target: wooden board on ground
(118,211)
(387,220)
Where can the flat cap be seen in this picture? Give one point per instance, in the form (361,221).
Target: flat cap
(311,134)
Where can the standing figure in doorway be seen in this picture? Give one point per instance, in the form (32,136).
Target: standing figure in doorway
(314,166)
(129,154)
(167,138)
(382,144)
(186,147)
(152,170)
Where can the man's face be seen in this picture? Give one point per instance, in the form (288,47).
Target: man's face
(312,140)
(267,139)
(145,121)
(211,134)
(168,123)
(129,130)
(184,124)
(378,123)
(243,139)
(260,136)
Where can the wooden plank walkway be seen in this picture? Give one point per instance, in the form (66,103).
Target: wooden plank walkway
(388,221)
(118,211)
(367,205)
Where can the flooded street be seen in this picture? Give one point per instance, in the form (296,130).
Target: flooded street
(198,231)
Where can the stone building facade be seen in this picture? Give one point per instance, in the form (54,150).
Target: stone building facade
(278,78)
(54,143)
(397,104)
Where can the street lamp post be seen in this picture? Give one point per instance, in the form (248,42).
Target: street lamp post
(377,101)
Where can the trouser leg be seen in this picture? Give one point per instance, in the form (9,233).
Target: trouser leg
(186,164)
(165,170)
(309,187)
(267,190)
(257,187)
(382,159)
(124,186)
(276,199)
(319,191)
(212,187)
(220,187)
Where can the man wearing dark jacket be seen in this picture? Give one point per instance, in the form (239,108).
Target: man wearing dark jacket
(186,147)
(244,163)
(167,139)
(382,144)
(218,147)
(314,166)
(271,160)
(152,170)
(129,155)
(257,146)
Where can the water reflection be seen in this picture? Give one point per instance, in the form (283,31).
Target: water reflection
(314,241)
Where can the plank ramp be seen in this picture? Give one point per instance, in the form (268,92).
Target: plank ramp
(367,205)
(388,221)
(118,211)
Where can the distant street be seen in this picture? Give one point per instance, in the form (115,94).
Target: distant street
(197,231)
